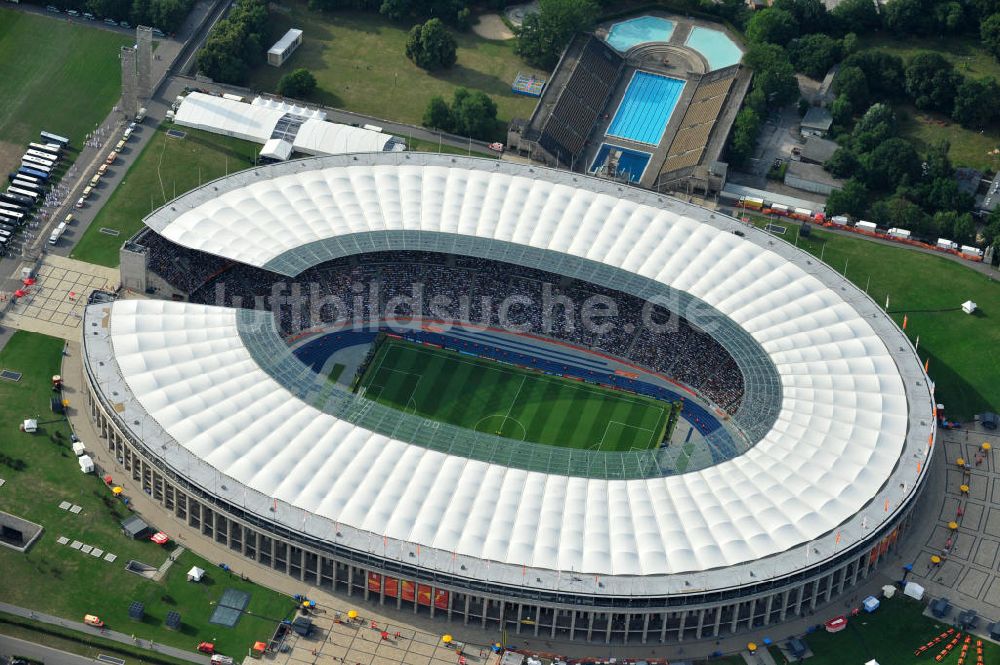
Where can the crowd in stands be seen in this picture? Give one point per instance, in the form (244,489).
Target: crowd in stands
(440,287)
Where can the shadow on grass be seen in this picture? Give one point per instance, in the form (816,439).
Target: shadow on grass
(460,75)
(960,398)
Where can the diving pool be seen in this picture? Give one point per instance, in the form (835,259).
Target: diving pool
(623,36)
(632,163)
(645,109)
(716,46)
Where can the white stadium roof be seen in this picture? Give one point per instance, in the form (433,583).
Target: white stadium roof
(854,412)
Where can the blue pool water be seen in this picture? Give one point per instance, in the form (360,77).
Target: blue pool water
(646,107)
(716,46)
(623,36)
(632,162)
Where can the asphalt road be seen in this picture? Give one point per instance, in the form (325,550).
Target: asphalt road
(12,646)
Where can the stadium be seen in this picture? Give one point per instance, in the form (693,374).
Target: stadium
(648,100)
(740,444)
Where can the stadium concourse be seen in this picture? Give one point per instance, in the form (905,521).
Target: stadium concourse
(207,407)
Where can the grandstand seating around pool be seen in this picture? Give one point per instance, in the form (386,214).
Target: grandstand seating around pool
(593,79)
(695,129)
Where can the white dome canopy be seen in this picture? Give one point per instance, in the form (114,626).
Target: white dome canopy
(847,399)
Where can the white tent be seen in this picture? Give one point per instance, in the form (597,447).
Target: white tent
(228,117)
(276,149)
(889,591)
(913,590)
(79,448)
(195,574)
(86,464)
(969,307)
(872,662)
(316,137)
(30,425)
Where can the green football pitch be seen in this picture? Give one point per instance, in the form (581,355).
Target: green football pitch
(494,398)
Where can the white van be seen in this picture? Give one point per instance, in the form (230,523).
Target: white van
(57,233)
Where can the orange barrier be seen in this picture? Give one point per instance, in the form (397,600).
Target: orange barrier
(945,651)
(933,642)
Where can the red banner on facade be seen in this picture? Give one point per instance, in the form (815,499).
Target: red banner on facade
(409,590)
(440,599)
(424,595)
(391,587)
(374,582)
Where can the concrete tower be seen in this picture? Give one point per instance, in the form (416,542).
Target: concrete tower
(130,102)
(144,63)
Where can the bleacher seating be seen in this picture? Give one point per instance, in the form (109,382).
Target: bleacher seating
(587,90)
(688,145)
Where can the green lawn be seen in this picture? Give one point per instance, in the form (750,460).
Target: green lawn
(54,75)
(889,635)
(500,399)
(968,147)
(917,283)
(360,64)
(167,167)
(56,579)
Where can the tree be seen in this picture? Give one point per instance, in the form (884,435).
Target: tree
(473,114)
(852,83)
(842,110)
(773,26)
(989,32)
(437,114)
(849,44)
(884,72)
(891,163)
(899,212)
(932,82)
(875,126)
(430,46)
(813,55)
(773,74)
(976,103)
(297,83)
(858,15)
(910,17)
(744,138)
(851,199)
(811,15)
(543,36)
(843,163)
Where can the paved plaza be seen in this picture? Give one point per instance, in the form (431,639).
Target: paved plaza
(337,639)
(54,304)
(968,573)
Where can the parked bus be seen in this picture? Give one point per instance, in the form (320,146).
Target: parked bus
(38,167)
(42,155)
(16,218)
(24,176)
(35,161)
(24,192)
(49,153)
(22,201)
(34,173)
(30,186)
(41,160)
(54,138)
(54,148)
(12,207)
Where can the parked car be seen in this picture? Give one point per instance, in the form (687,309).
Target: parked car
(52,9)
(79,202)
(88,16)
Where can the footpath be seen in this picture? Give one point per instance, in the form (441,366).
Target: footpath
(92,631)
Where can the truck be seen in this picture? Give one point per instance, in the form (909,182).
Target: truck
(899,233)
(57,233)
(141,115)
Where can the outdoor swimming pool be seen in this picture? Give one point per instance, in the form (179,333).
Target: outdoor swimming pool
(632,162)
(645,109)
(623,36)
(716,46)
